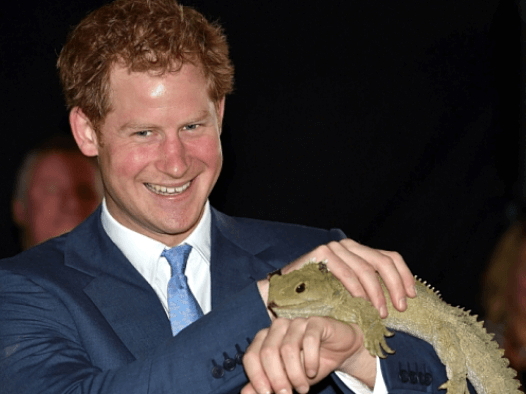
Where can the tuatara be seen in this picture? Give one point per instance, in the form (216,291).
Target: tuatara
(460,341)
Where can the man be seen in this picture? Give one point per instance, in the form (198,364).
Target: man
(57,187)
(145,81)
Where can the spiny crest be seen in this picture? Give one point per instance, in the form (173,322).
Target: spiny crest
(322,265)
(314,269)
(431,290)
(480,354)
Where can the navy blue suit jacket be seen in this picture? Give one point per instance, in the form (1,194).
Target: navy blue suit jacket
(76,317)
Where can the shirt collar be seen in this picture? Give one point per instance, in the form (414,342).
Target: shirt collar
(144,252)
(200,239)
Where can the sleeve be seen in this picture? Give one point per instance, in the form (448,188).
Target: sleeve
(414,367)
(42,351)
(50,345)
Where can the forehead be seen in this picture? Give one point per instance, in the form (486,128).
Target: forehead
(154,84)
(143,96)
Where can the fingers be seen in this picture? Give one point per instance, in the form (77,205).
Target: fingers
(258,381)
(294,354)
(248,389)
(351,263)
(284,342)
(407,277)
(274,360)
(357,266)
(311,352)
(366,262)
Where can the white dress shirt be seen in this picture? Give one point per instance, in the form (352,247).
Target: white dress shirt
(144,254)
(359,388)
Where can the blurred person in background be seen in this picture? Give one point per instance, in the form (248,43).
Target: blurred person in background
(504,295)
(57,187)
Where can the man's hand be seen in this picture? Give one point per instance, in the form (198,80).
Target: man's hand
(357,266)
(295,354)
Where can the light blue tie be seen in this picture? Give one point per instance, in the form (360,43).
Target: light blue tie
(182,304)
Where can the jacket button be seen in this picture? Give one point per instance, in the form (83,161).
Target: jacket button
(413,377)
(425,379)
(403,375)
(239,355)
(229,364)
(428,379)
(217,371)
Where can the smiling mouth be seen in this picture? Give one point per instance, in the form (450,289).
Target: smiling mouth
(167,191)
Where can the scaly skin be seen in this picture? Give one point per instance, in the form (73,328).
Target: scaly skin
(461,343)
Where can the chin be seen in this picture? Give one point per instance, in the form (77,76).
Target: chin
(177,228)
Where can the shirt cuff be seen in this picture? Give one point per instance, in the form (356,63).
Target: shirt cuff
(358,387)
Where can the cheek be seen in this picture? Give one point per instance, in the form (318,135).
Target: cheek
(209,151)
(125,162)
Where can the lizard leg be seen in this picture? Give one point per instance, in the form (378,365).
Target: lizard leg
(366,316)
(447,346)
(375,339)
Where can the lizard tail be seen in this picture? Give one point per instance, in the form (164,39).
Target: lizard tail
(488,369)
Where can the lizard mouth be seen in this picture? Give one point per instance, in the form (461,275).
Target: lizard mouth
(270,307)
(290,311)
(302,309)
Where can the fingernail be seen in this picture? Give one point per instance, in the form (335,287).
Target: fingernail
(303,389)
(283,391)
(402,303)
(383,311)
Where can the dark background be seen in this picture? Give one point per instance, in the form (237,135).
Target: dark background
(396,121)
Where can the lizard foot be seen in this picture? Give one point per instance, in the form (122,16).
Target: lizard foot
(374,340)
(455,387)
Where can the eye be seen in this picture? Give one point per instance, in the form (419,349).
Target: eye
(300,288)
(191,127)
(143,133)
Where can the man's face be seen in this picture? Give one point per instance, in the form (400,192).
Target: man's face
(159,151)
(63,190)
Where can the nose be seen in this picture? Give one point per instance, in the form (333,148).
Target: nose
(172,158)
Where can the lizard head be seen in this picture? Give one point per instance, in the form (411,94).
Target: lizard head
(304,292)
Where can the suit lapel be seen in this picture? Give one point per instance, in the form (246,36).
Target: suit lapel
(120,293)
(234,263)
(123,296)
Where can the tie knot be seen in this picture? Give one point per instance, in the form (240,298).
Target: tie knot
(177,257)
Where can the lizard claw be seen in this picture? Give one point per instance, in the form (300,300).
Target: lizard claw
(374,340)
(455,387)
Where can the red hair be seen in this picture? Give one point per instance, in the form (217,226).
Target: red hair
(155,36)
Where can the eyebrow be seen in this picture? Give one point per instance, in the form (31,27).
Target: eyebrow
(201,115)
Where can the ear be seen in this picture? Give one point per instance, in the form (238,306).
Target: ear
(83,132)
(220,107)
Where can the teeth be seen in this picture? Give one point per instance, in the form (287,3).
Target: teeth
(167,191)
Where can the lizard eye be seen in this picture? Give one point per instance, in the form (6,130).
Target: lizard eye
(300,288)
